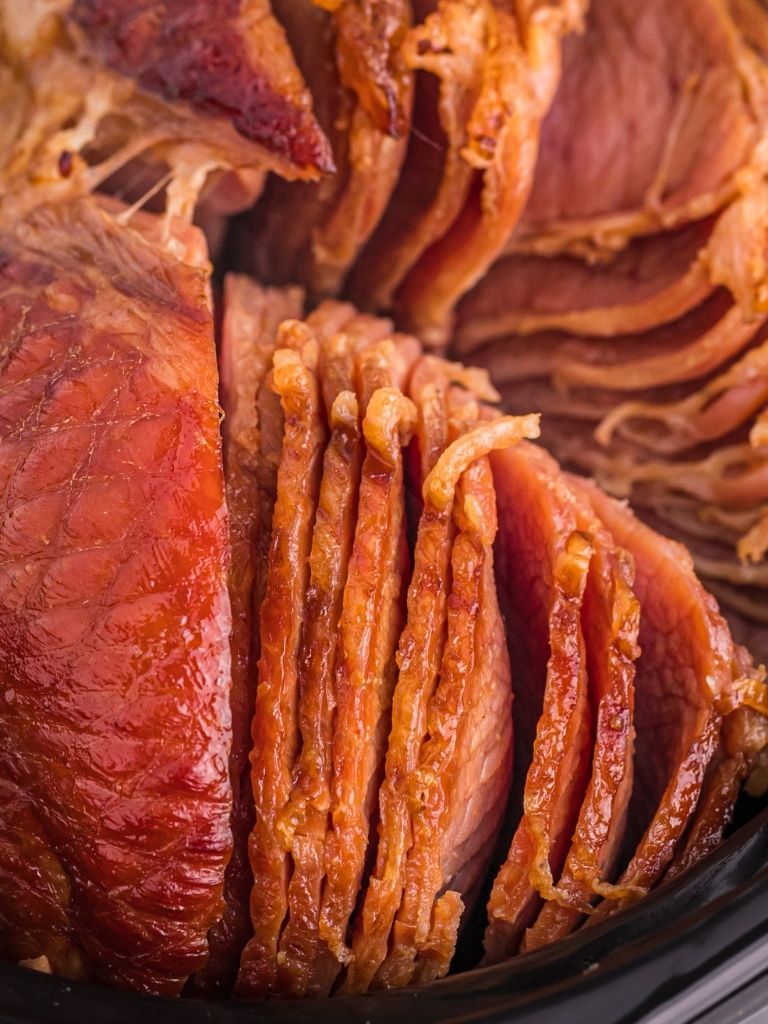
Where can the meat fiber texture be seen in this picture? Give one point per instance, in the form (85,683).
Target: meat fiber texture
(641,325)
(114,827)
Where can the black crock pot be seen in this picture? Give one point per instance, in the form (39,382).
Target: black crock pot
(696,950)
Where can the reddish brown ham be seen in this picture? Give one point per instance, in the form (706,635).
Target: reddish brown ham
(365,674)
(303,821)
(362,92)
(114,614)
(604,175)
(275,728)
(655,280)
(252,316)
(684,680)
(227,58)
(544,561)
(610,620)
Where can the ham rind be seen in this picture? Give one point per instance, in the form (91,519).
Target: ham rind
(543,563)
(114,612)
(303,822)
(653,281)
(229,59)
(365,670)
(275,727)
(519,79)
(251,319)
(446,48)
(610,620)
(603,176)
(363,94)
(685,677)
(419,654)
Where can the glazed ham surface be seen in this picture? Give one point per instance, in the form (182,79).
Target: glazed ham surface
(351,679)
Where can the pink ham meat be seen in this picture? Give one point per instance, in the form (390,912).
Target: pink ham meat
(686,677)
(544,562)
(602,175)
(653,281)
(610,621)
(519,77)
(275,728)
(252,316)
(350,56)
(114,613)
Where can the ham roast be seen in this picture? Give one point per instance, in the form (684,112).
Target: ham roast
(318,653)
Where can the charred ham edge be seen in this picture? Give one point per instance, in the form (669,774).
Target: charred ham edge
(610,619)
(519,78)
(449,44)
(274,728)
(110,401)
(663,199)
(696,664)
(363,92)
(87,122)
(365,669)
(251,319)
(448,847)
(228,59)
(303,822)
(548,655)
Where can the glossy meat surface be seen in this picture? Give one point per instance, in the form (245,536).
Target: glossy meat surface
(225,57)
(248,338)
(544,561)
(114,613)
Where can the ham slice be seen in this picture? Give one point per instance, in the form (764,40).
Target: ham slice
(687,674)
(115,820)
(655,280)
(368,630)
(544,561)
(252,316)
(519,78)
(363,94)
(603,176)
(303,822)
(274,728)
(610,621)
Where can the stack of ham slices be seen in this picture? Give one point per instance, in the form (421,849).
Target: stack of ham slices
(630,305)
(311,649)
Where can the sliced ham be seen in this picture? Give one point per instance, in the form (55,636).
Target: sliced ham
(275,728)
(363,94)
(686,676)
(365,674)
(251,319)
(653,281)
(446,49)
(116,801)
(610,620)
(605,175)
(520,75)
(544,560)
(303,821)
